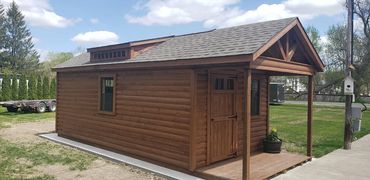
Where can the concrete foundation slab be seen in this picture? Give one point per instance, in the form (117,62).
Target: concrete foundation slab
(120,158)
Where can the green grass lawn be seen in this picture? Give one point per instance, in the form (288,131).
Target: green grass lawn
(328,125)
(290,120)
(19,160)
(19,117)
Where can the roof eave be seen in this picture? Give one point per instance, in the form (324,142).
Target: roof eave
(159,64)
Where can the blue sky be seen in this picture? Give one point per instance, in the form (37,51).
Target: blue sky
(68,25)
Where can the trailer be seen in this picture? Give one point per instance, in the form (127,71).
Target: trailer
(38,106)
(276,93)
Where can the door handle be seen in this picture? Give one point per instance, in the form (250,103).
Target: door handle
(233,116)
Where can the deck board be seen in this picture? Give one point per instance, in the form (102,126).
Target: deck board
(263,165)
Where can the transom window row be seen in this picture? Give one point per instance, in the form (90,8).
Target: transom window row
(109,54)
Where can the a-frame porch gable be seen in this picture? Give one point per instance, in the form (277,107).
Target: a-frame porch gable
(292,44)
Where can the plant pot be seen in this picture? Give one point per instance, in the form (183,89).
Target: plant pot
(272,147)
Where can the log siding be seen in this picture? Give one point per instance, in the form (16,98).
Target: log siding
(152,117)
(259,122)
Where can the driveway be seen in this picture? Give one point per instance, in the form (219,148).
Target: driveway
(340,164)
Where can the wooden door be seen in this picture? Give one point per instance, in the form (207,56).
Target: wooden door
(223,118)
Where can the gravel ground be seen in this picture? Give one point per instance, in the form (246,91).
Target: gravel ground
(99,168)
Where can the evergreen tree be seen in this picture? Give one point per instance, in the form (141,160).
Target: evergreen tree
(46,88)
(2,37)
(53,88)
(23,93)
(14,87)
(39,88)
(18,44)
(32,88)
(5,88)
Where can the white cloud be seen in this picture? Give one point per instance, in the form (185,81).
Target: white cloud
(40,13)
(312,8)
(222,13)
(96,38)
(94,20)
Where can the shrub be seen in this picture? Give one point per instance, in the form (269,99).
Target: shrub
(46,88)
(53,88)
(32,88)
(6,90)
(39,88)
(23,93)
(14,87)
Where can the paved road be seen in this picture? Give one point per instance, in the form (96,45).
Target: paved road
(336,104)
(339,165)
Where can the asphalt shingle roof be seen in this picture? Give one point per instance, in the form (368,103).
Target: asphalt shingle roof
(238,40)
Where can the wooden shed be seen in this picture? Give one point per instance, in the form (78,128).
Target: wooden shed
(196,102)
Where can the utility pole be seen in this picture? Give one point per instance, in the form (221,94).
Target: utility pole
(349,95)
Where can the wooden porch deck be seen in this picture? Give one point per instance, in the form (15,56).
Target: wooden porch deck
(263,166)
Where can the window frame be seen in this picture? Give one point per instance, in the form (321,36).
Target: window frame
(113,76)
(259,98)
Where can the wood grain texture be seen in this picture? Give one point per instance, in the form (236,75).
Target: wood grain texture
(152,117)
(258,123)
(310,91)
(264,166)
(154,112)
(246,167)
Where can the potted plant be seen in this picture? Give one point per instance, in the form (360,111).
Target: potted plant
(272,143)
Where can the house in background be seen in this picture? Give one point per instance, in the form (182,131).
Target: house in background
(188,102)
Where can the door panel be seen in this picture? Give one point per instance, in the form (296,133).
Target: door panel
(223,117)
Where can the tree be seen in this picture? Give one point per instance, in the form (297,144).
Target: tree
(315,38)
(14,87)
(5,88)
(23,93)
(2,37)
(39,88)
(362,60)
(335,50)
(54,59)
(53,88)
(46,88)
(32,87)
(18,42)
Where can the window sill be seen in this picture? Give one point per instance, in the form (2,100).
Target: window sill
(106,113)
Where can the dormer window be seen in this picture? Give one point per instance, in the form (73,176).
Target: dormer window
(109,55)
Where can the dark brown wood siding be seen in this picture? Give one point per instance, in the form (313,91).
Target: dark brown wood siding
(201,118)
(152,117)
(259,123)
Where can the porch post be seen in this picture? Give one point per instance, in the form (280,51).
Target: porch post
(310,94)
(247,124)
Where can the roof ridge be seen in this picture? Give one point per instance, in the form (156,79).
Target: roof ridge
(260,22)
(200,32)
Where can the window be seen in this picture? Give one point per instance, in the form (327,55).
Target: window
(230,84)
(107,94)
(224,84)
(219,84)
(255,99)
(115,54)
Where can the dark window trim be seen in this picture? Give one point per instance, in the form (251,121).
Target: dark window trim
(114,94)
(110,55)
(260,96)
